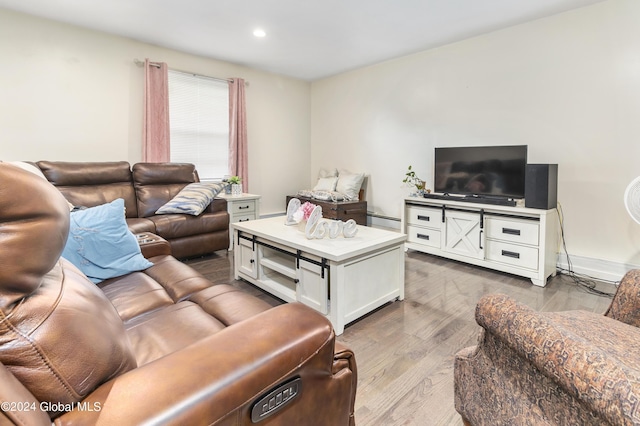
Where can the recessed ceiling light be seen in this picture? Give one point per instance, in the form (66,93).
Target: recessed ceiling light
(259,32)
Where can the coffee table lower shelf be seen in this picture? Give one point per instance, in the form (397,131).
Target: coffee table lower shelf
(342,287)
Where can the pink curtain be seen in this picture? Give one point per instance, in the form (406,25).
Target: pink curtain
(155,132)
(238,162)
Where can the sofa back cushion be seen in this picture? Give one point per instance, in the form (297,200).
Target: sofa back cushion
(91,184)
(157,183)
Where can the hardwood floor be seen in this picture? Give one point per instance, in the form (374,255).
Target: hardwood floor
(405,350)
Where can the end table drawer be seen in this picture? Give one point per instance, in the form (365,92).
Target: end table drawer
(243,217)
(424,236)
(243,207)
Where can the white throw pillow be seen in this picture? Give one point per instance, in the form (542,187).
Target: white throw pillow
(326,184)
(349,184)
(323,173)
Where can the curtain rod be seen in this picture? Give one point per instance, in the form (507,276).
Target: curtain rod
(140,63)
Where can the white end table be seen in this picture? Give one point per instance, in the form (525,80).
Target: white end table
(241,208)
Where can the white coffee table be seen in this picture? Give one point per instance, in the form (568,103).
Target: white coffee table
(343,278)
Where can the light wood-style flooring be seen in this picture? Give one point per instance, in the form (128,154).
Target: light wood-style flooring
(405,349)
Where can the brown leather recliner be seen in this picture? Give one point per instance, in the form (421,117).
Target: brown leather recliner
(161,346)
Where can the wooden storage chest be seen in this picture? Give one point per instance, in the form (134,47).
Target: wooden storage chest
(338,210)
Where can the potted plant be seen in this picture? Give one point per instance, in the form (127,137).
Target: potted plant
(411,178)
(236,185)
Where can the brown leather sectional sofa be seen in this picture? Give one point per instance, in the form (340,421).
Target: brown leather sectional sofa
(145,187)
(160,346)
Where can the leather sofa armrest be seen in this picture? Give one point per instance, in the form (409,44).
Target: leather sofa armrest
(153,245)
(217,205)
(222,376)
(345,359)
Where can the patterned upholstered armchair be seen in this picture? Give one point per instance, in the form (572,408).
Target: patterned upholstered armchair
(560,368)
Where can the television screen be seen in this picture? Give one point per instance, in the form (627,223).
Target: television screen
(481,170)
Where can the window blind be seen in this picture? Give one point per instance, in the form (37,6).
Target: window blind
(199,123)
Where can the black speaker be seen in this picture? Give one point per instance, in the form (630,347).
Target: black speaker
(541,186)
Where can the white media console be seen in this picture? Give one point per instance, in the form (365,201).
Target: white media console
(517,240)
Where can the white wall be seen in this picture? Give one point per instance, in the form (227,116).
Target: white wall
(568,86)
(72,94)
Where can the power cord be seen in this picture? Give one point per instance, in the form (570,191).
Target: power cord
(583,281)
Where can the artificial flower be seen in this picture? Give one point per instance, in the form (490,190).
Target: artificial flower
(307,209)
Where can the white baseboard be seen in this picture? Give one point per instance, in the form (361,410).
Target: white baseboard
(596,268)
(383,222)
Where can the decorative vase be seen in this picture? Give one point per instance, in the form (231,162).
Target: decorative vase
(236,189)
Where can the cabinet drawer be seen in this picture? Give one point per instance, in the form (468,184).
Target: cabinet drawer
(512,254)
(514,230)
(242,217)
(242,207)
(423,216)
(424,236)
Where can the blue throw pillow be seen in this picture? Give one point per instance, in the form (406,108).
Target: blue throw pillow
(192,199)
(100,243)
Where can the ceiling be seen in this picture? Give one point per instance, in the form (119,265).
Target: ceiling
(305,39)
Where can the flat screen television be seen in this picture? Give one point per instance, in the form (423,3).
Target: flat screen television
(490,171)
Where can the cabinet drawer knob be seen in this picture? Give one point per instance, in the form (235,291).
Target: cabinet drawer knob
(423,237)
(242,207)
(252,261)
(425,218)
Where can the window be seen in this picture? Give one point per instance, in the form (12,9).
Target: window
(199,122)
